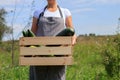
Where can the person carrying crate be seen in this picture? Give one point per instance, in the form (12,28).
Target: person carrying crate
(49,22)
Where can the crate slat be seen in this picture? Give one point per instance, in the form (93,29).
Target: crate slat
(46,50)
(49,61)
(45,40)
(43,55)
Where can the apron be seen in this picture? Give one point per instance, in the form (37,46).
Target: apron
(48,26)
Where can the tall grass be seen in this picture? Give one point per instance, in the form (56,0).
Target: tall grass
(88,62)
(111,57)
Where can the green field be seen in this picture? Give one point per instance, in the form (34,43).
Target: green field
(88,62)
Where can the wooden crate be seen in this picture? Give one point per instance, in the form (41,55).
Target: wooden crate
(46,55)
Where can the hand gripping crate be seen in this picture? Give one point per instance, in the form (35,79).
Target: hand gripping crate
(52,51)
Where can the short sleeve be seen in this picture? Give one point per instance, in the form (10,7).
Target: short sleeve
(37,13)
(67,13)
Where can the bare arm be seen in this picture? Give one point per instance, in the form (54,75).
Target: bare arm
(34,25)
(69,23)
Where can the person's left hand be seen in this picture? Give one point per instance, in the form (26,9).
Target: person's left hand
(74,38)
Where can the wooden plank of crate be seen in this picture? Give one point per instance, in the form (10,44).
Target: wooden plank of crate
(48,61)
(45,40)
(46,50)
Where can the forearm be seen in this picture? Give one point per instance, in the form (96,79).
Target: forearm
(69,22)
(33,30)
(34,25)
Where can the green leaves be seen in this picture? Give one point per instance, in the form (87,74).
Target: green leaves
(4,29)
(28,33)
(111,56)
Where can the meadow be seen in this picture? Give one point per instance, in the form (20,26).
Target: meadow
(88,61)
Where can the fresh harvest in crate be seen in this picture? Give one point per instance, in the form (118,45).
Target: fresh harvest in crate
(65,32)
(28,33)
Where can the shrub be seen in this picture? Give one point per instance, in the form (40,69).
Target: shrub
(111,57)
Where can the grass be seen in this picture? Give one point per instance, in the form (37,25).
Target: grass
(87,62)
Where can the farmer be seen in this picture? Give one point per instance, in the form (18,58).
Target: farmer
(49,22)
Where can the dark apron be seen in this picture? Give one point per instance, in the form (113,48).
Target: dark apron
(48,26)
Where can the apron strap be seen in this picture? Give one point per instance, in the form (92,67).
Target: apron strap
(60,11)
(42,13)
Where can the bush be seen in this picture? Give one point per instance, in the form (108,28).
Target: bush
(111,57)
